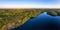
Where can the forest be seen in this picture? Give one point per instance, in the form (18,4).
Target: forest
(11,18)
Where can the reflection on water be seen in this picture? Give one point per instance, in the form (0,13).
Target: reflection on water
(41,22)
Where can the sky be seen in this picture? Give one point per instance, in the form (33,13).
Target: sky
(29,3)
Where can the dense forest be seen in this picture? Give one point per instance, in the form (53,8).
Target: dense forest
(54,12)
(11,18)
(16,17)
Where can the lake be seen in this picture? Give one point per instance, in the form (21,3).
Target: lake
(41,22)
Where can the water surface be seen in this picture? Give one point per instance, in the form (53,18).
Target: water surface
(41,22)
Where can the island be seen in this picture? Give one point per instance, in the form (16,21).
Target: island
(54,12)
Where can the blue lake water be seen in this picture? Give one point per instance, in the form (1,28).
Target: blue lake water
(41,22)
